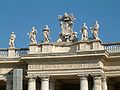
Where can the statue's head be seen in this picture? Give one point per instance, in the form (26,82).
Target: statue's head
(33,28)
(96,26)
(84,24)
(46,28)
(96,22)
(65,14)
(12,33)
(66,17)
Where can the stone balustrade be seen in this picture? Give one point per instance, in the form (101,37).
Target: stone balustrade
(13,52)
(66,47)
(3,52)
(112,47)
(74,47)
(60,48)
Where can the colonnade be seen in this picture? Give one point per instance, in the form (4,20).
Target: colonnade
(99,83)
(44,83)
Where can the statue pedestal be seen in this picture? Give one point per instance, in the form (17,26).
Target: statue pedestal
(66,47)
(11,52)
(89,45)
(33,48)
(46,48)
(97,45)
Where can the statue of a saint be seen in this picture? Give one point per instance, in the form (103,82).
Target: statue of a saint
(32,36)
(66,24)
(74,37)
(12,40)
(95,30)
(46,32)
(84,32)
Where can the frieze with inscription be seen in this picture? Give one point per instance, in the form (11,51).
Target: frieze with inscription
(61,66)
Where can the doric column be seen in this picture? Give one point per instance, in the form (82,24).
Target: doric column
(111,84)
(18,79)
(58,85)
(32,84)
(44,83)
(9,84)
(104,83)
(97,83)
(52,84)
(83,83)
(38,84)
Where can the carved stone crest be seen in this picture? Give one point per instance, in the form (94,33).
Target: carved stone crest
(66,24)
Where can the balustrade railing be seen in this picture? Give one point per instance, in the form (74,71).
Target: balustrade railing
(21,51)
(112,47)
(18,52)
(3,52)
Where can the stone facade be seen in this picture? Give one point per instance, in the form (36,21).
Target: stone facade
(68,64)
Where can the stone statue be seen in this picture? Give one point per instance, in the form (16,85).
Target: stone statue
(74,37)
(84,32)
(66,24)
(94,31)
(12,40)
(46,32)
(32,36)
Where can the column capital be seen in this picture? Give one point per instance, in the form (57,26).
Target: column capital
(31,77)
(97,75)
(83,75)
(104,78)
(97,78)
(45,78)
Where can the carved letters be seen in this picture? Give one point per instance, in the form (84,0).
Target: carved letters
(61,66)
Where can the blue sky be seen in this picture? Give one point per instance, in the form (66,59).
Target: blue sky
(20,15)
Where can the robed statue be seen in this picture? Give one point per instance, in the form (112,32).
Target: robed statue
(95,30)
(46,32)
(32,36)
(12,40)
(84,32)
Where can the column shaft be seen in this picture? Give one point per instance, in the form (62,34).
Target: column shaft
(32,84)
(9,84)
(110,87)
(104,84)
(52,85)
(97,83)
(83,83)
(37,86)
(44,83)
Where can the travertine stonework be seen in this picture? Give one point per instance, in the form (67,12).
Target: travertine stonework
(68,64)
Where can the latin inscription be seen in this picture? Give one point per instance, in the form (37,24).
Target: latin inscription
(61,66)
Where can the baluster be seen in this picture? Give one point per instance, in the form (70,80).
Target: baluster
(111,48)
(114,48)
(118,47)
